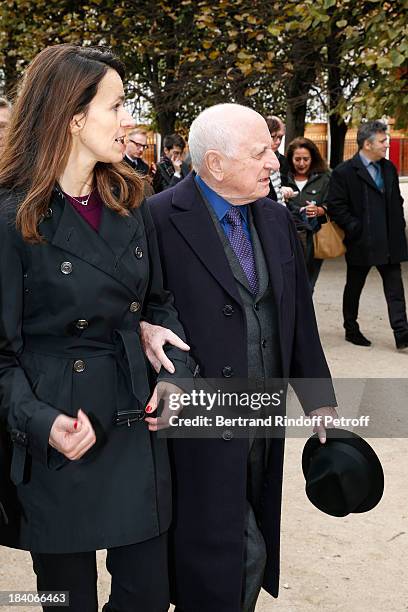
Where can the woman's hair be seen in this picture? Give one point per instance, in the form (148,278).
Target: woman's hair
(59,83)
(274,124)
(317,165)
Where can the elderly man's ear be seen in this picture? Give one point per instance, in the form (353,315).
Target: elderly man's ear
(214,165)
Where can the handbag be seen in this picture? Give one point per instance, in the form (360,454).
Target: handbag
(328,241)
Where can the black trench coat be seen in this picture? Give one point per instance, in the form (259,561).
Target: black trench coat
(210,476)
(69,321)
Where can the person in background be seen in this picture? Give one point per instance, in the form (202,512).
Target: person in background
(79,267)
(309,178)
(171,169)
(279,190)
(135,147)
(364,199)
(5,111)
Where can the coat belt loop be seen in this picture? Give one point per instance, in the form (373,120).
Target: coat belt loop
(18,463)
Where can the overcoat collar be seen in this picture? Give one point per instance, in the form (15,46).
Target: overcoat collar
(193,221)
(64,228)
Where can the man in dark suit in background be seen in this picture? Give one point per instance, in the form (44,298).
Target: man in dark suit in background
(136,146)
(235,267)
(365,201)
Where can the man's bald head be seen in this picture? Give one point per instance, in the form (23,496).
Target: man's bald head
(222,128)
(231,150)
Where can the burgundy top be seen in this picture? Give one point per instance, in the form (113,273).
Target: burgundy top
(92,211)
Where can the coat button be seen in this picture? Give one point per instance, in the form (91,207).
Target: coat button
(227,371)
(66,267)
(79,365)
(48,213)
(81,324)
(134,306)
(263,343)
(256,307)
(228,310)
(227,434)
(138,252)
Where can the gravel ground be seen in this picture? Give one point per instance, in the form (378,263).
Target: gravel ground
(357,563)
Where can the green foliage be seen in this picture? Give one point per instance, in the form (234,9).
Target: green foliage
(183,56)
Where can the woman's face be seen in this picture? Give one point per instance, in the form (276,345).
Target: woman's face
(100,135)
(277,139)
(301,161)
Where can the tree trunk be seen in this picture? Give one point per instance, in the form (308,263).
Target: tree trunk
(338,127)
(166,121)
(304,58)
(338,130)
(295,119)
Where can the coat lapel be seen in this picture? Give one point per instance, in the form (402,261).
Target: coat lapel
(267,227)
(363,173)
(67,230)
(388,177)
(193,221)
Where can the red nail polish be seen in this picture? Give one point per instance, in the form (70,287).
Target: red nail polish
(148,409)
(75,424)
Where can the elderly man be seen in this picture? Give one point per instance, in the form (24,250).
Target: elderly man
(236,269)
(365,200)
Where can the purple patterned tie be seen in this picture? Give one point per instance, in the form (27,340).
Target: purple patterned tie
(242,247)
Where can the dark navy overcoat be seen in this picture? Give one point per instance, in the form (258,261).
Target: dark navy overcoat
(210,476)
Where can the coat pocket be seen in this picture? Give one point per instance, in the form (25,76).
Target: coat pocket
(51,380)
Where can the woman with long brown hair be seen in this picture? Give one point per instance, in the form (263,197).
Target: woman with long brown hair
(79,266)
(309,178)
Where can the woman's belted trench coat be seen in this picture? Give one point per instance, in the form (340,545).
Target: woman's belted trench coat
(69,319)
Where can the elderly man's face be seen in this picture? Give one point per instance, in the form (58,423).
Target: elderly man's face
(4,119)
(246,176)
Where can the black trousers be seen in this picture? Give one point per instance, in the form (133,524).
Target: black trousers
(139,578)
(393,291)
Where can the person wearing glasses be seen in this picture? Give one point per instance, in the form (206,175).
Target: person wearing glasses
(136,146)
(279,189)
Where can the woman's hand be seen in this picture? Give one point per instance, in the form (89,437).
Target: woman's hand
(312,210)
(163,391)
(153,338)
(72,437)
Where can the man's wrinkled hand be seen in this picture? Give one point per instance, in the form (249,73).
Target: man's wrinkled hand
(153,338)
(323,412)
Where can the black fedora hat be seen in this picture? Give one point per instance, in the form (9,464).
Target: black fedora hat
(343,475)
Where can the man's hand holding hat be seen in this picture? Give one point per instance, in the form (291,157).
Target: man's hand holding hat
(327,411)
